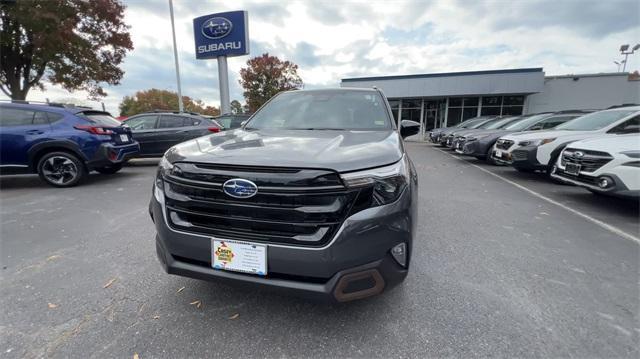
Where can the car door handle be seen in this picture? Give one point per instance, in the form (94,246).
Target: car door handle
(34,132)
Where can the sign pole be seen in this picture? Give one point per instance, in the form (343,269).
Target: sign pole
(223,78)
(218,36)
(175,56)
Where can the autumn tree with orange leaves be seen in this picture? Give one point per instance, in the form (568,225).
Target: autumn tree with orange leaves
(265,76)
(155,99)
(76,44)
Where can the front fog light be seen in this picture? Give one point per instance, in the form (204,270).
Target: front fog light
(399,253)
(604,182)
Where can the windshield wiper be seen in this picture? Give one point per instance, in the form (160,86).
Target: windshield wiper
(318,129)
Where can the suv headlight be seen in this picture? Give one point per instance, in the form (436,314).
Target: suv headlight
(536,142)
(164,167)
(388,182)
(631,153)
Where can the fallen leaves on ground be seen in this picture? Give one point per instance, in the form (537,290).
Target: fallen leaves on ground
(52,306)
(55,256)
(136,356)
(197,303)
(156,317)
(234,316)
(180,290)
(109,283)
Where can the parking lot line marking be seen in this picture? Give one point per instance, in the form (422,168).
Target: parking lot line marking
(595,221)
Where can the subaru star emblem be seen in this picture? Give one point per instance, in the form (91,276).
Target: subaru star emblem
(578,154)
(240,188)
(216,28)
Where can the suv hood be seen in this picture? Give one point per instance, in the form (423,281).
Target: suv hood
(609,143)
(341,151)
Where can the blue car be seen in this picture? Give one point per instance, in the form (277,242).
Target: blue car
(61,144)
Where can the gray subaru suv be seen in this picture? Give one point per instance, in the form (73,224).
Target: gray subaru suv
(315,195)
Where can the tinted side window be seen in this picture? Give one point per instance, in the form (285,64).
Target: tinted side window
(167,121)
(147,122)
(53,117)
(190,121)
(40,118)
(629,126)
(16,117)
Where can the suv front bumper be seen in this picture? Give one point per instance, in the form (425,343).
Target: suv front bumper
(356,263)
(617,189)
(526,158)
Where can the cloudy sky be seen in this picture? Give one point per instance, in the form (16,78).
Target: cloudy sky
(331,40)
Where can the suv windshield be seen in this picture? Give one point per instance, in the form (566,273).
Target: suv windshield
(323,110)
(500,123)
(100,119)
(485,124)
(594,121)
(526,122)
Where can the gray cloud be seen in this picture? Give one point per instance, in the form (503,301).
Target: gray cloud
(592,18)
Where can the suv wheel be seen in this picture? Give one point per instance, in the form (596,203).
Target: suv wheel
(61,169)
(109,170)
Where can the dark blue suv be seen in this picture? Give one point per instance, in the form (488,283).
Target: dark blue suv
(61,144)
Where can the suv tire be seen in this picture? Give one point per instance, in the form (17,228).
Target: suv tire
(109,170)
(61,169)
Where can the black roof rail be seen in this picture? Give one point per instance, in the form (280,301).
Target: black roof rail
(574,111)
(46,103)
(172,111)
(623,105)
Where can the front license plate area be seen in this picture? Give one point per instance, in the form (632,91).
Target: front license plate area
(572,169)
(498,154)
(124,138)
(239,256)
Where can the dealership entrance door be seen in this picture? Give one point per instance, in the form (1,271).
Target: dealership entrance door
(433,115)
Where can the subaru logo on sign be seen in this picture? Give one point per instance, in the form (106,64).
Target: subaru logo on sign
(240,188)
(216,28)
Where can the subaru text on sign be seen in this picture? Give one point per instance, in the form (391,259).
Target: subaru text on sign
(222,34)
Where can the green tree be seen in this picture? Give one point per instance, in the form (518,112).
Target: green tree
(77,44)
(154,99)
(236,107)
(265,76)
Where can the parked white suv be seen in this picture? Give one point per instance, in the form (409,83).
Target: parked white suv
(539,150)
(609,165)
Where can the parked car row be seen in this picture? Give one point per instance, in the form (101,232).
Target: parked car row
(62,143)
(597,150)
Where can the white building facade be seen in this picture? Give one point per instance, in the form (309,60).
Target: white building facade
(445,99)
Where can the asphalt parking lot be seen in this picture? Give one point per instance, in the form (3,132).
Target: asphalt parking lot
(498,270)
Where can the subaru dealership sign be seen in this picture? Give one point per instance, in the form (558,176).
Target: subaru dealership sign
(222,34)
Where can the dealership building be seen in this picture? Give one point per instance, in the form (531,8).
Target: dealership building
(445,99)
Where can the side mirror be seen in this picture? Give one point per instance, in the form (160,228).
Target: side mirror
(536,128)
(409,128)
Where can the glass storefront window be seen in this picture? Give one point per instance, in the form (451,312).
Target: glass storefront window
(469,112)
(411,103)
(490,111)
(513,100)
(453,116)
(492,101)
(412,114)
(511,110)
(455,102)
(471,101)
